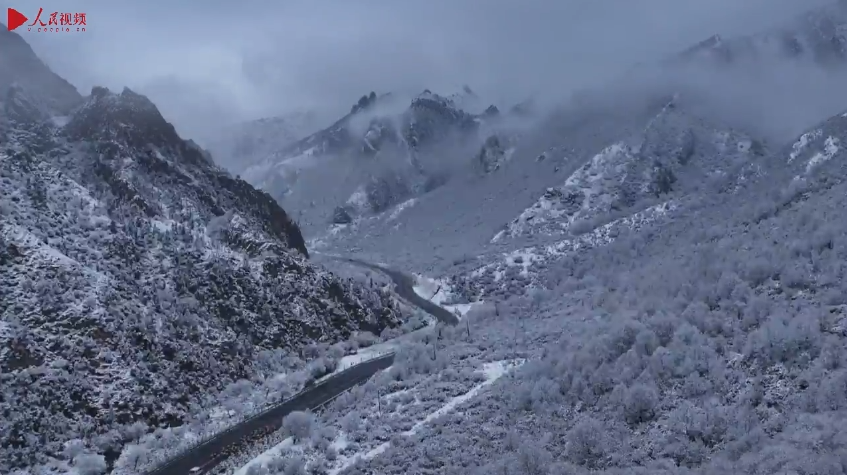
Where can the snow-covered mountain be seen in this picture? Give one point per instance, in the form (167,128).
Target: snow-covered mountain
(660,132)
(675,282)
(387,149)
(703,338)
(710,342)
(819,36)
(498,179)
(137,278)
(23,68)
(676,153)
(240,146)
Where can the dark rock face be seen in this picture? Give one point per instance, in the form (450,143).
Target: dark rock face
(386,190)
(491,111)
(390,153)
(138,279)
(432,118)
(115,123)
(364,102)
(491,155)
(341,215)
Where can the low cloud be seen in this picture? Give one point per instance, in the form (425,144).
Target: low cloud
(214,62)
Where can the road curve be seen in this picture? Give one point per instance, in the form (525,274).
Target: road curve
(206,456)
(404,285)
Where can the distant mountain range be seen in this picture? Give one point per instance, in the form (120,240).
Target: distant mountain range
(648,141)
(241,146)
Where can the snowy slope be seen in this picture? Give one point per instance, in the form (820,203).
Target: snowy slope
(711,341)
(387,150)
(22,68)
(678,283)
(677,153)
(818,36)
(137,278)
(611,152)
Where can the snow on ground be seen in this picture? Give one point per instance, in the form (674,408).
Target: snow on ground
(434,290)
(364,354)
(377,350)
(404,411)
(582,194)
(439,291)
(802,143)
(400,207)
(830,150)
(266,456)
(525,262)
(491,371)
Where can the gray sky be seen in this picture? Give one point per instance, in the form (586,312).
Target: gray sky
(204,62)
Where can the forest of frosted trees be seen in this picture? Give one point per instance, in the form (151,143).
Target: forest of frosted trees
(138,280)
(710,343)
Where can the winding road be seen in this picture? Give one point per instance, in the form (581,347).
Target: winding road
(404,285)
(205,457)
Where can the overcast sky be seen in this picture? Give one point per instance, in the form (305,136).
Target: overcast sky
(204,62)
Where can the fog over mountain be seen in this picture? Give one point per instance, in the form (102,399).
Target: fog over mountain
(268,58)
(555,238)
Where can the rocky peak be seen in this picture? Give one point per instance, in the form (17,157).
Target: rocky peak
(364,102)
(432,117)
(491,111)
(491,155)
(127,118)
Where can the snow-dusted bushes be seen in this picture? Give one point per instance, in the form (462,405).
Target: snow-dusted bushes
(298,425)
(89,464)
(713,344)
(138,280)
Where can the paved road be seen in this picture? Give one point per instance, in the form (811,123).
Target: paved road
(404,286)
(211,453)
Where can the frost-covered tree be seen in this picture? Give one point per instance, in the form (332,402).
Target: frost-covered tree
(135,457)
(294,466)
(89,464)
(174,275)
(299,425)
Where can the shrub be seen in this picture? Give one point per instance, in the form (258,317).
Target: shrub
(640,403)
(298,424)
(89,464)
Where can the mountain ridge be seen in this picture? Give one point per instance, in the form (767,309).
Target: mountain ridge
(138,279)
